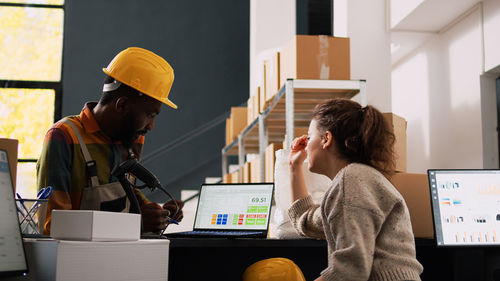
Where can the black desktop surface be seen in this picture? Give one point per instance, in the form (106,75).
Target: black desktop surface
(194,258)
(227,259)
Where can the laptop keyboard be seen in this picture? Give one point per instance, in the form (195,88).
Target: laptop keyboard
(217,233)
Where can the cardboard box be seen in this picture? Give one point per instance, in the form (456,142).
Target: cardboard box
(262,99)
(250,109)
(253,110)
(255,170)
(264,88)
(238,121)
(228,131)
(245,170)
(226,178)
(235,177)
(273,77)
(415,191)
(271,80)
(257,109)
(90,225)
(300,131)
(270,159)
(315,57)
(11,145)
(297,132)
(398,124)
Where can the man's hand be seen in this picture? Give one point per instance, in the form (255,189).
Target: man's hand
(170,206)
(154,217)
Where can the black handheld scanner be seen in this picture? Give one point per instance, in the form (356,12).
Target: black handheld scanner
(133,167)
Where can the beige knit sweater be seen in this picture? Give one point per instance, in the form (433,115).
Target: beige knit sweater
(366,224)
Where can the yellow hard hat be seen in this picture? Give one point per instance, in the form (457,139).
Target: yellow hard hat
(273,269)
(144,71)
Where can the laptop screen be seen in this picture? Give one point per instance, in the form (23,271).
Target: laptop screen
(12,256)
(234,206)
(465,206)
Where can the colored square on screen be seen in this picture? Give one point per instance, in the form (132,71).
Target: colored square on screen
(262,209)
(261,221)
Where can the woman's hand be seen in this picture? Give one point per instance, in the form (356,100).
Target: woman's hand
(297,157)
(298,153)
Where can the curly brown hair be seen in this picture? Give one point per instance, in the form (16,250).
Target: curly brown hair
(361,134)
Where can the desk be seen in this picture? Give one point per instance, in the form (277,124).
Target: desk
(227,259)
(196,259)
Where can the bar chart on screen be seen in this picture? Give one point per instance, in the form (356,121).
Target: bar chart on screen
(466,206)
(476,237)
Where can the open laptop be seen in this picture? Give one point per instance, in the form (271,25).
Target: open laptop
(12,255)
(465,207)
(232,210)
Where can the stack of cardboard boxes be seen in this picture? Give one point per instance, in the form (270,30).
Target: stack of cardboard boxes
(253,105)
(236,122)
(413,187)
(304,57)
(270,159)
(415,191)
(322,57)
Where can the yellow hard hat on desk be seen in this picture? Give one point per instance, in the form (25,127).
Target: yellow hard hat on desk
(144,71)
(274,269)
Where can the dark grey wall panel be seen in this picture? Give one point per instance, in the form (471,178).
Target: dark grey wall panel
(207,44)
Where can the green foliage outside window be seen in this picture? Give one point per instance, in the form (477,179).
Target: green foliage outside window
(26,115)
(31,43)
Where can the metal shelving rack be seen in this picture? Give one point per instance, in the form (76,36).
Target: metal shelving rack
(291,107)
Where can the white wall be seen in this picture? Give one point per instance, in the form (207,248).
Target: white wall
(370,49)
(401,9)
(272,26)
(491,10)
(437,89)
(491,40)
(489,120)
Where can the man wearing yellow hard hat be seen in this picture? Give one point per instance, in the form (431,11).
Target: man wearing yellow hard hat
(80,151)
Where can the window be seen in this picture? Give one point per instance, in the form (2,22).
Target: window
(31,40)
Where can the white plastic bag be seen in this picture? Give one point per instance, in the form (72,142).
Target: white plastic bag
(316,186)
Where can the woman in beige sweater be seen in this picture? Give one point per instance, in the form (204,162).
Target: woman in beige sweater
(362,216)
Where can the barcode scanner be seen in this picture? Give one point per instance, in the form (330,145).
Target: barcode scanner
(133,167)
